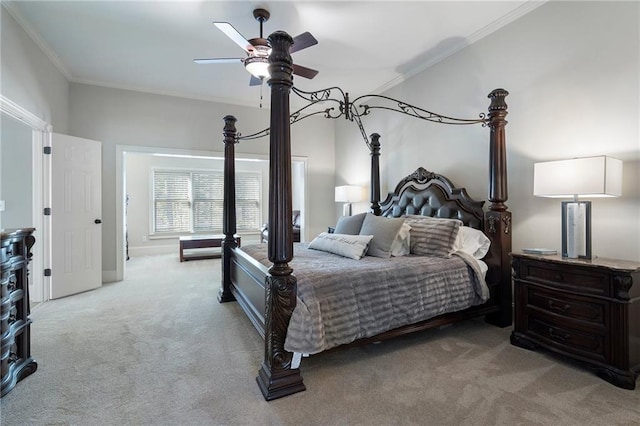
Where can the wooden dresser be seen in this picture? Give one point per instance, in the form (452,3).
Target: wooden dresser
(15,355)
(588,310)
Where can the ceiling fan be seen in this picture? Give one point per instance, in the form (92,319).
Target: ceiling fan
(258,49)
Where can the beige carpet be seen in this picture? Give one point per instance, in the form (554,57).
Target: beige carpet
(158,349)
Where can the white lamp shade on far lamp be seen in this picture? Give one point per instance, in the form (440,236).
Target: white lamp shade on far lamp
(348,194)
(580,177)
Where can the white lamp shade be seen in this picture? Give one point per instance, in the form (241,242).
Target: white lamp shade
(583,177)
(348,194)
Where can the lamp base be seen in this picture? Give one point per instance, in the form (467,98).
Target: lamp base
(576,229)
(346,209)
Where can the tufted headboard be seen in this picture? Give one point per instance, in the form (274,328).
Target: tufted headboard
(429,194)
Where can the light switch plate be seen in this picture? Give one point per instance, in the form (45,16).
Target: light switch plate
(1,205)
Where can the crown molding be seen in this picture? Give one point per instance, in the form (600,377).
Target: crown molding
(16,111)
(476,36)
(37,39)
(152,91)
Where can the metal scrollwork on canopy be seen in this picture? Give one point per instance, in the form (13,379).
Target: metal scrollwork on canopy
(334,103)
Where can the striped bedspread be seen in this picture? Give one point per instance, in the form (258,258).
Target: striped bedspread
(341,300)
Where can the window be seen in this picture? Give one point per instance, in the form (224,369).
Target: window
(191,201)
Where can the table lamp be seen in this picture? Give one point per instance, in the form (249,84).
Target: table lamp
(348,194)
(580,177)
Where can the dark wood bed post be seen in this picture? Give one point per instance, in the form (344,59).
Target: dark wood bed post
(276,377)
(229,207)
(498,218)
(374,147)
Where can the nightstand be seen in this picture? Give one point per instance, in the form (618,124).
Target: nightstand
(588,310)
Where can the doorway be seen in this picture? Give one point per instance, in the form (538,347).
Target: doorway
(28,134)
(135,238)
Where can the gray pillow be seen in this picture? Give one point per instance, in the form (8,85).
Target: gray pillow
(432,236)
(384,231)
(350,224)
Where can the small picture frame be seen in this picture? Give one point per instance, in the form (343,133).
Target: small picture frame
(576,229)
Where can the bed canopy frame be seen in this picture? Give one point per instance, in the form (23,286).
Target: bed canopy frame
(278,375)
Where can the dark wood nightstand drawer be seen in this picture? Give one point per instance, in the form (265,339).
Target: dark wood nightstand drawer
(566,306)
(579,280)
(587,345)
(583,309)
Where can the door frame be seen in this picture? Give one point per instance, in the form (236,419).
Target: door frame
(122,150)
(41,195)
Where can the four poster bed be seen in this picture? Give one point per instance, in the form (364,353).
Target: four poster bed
(263,282)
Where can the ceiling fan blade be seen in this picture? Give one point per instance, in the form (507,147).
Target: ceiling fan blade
(217,60)
(303,41)
(255,81)
(304,71)
(234,35)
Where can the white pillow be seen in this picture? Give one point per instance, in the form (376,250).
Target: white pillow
(401,245)
(472,241)
(351,246)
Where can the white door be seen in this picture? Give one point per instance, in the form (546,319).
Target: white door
(76,215)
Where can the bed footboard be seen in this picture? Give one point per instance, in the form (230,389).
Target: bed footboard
(247,286)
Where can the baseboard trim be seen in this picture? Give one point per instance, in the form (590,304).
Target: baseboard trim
(151,250)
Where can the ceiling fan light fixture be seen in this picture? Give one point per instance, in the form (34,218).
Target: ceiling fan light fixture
(257,66)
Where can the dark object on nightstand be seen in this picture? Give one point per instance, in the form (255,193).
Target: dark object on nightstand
(588,310)
(15,352)
(295,218)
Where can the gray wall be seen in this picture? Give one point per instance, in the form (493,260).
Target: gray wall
(15,173)
(572,69)
(120,117)
(29,78)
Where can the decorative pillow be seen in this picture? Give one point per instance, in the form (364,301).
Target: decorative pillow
(350,224)
(473,242)
(352,246)
(401,245)
(433,236)
(384,231)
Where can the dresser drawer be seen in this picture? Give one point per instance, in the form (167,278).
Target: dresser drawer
(583,281)
(8,358)
(8,316)
(590,311)
(559,336)
(8,284)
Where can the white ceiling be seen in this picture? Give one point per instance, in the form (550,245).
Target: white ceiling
(364,46)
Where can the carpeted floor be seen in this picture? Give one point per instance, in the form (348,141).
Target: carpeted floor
(158,349)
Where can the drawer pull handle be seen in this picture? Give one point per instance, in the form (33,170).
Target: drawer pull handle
(554,335)
(12,283)
(558,307)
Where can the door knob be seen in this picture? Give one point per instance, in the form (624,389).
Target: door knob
(97,221)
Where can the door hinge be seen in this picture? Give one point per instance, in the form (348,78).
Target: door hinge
(47,272)
(47,211)
(47,150)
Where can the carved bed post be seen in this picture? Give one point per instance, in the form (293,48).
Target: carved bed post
(276,377)
(498,218)
(374,147)
(229,207)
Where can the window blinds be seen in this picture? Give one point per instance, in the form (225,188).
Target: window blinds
(186,201)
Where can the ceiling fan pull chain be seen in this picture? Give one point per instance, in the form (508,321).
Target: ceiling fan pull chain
(261,94)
